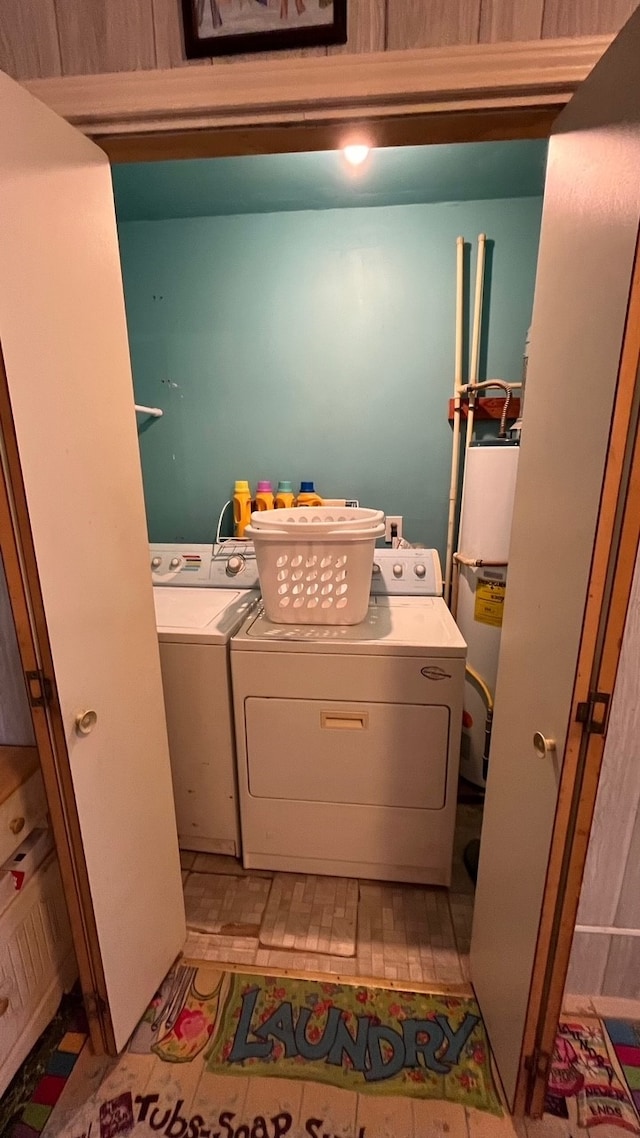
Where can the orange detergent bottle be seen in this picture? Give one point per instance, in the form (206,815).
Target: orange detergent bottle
(285,497)
(241,508)
(308,496)
(264,496)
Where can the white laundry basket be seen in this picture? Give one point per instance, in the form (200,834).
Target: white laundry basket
(315,572)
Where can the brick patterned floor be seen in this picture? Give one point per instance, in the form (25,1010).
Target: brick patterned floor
(226,905)
(393,932)
(311,914)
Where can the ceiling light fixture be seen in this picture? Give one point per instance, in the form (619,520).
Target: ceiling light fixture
(356,154)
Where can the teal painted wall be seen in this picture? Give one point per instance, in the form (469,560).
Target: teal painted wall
(313,345)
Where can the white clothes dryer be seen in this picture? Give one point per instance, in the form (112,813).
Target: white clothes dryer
(348,738)
(198,608)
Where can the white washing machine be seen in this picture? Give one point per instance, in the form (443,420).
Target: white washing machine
(199,605)
(348,738)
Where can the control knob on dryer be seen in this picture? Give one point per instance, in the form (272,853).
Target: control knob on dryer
(420,571)
(235,565)
(156,562)
(397,570)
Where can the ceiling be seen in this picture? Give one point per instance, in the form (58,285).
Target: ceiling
(269,183)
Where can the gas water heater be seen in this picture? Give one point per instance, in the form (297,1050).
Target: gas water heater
(482,561)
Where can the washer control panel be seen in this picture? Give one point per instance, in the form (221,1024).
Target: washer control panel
(232,565)
(407,573)
(229,565)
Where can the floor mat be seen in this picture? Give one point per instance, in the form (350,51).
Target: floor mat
(196,1064)
(311,914)
(625,1037)
(361,1038)
(586,1084)
(225,905)
(37,1086)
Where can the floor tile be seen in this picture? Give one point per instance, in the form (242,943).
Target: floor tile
(406,933)
(432,1118)
(384,1117)
(187,859)
(311,914)
(577,1005)
(615,1008)
(225,905)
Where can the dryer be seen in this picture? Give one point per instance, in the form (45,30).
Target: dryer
(199,605)
(348,737)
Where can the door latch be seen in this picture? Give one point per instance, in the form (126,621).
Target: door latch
(594,712)
(39,688)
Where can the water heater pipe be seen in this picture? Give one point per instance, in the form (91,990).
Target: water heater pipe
(472,388)
(485,691)
(457,387)
(474,367)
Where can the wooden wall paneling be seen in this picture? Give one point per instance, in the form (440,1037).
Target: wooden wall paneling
(504,20)
(628,910)
(96,37)
(29,45)
(619,787)
(431,23)
(589,955)
(167,34)
(366,28)
(16,727)
(622,975)
(585,17)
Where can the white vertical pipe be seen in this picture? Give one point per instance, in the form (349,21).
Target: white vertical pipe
(474,368)
(455,451)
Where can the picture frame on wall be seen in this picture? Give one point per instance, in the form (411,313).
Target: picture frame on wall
(226,27)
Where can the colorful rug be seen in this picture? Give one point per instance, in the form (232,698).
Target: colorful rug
(625,1038)
(362,1039)
(37,1086)
(586,1084)
(196,1064)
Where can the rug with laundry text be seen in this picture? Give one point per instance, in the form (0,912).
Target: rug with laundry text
(361,1038)
(587,1084)
(366,1039)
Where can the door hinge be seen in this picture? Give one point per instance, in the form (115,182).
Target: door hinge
(538,1065)
(594,712)
(95,1004)
(39,687)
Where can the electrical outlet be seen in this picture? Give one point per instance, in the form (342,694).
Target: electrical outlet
(388,523)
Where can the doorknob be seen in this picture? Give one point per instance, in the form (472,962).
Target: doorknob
(543,746)
(85,722)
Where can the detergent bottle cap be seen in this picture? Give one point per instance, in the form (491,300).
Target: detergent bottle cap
(265,488)
(241,488)
(307,488)
(285,487)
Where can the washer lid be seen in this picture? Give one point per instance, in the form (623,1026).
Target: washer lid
(211,615)
(393,625)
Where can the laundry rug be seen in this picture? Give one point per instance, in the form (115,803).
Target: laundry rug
(625,1038)
(586,1084)
(38,1085)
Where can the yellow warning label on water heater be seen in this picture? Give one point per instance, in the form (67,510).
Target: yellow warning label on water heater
(489,604)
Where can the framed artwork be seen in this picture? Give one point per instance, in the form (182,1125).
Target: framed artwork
(224,27)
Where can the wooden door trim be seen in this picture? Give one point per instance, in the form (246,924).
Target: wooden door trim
(330,95)
(18,553)
(611,577)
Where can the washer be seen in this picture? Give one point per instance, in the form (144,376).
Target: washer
(199,606)
(348,738)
